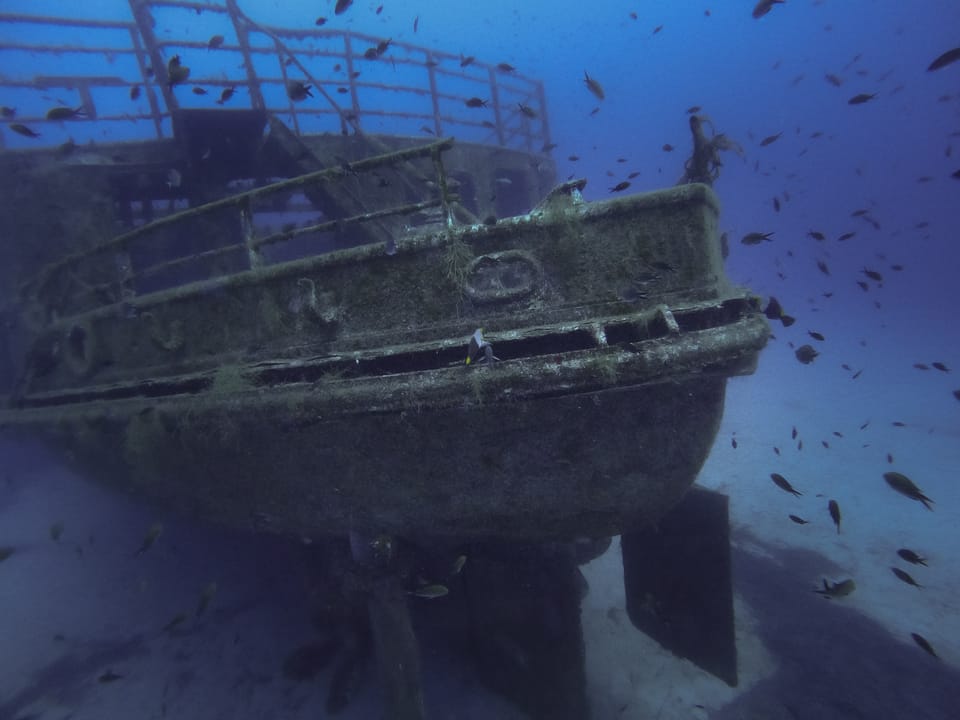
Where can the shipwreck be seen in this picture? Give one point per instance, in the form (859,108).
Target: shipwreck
(263,316)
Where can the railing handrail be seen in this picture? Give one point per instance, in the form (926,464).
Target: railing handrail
(147,48)
(36,284)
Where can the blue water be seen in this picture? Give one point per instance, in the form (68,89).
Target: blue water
(74,609)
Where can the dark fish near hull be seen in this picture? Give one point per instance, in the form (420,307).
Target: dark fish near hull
(765,6)
(806,354)
(755,238)
(149,539)
(905,486)
(950,56)
(861,99)
(911,557)
(921,641)
(23,130)
(834,509)
(593,86)
(905,577)
(341,6)
(782,483)
(837,589)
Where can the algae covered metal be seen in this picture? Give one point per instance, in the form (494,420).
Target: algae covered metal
(330,393)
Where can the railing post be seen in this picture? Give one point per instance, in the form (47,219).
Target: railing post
(286,84)
(147,85)
(437,127)
(144,19)
(544,123)
(354,101)
(495,100)
(243,39)
(437,156)
(249,234)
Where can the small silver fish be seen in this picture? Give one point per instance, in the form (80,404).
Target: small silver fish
(431,591)
(150,538)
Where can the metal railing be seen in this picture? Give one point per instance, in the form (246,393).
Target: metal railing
(363,82)
(106,274)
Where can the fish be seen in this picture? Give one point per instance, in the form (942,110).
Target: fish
(431,591)
(956,394)
(109,676)
(341,7)
(837,589)
(320,21)
(755,238)
(297,90)
(65,113)
(416,23)
(905,577)
(798,520)
(770,139)
(150,538)
(134,92)
(209,591)
(924,644)
(506,67)
(667,147)
(861,98)
(56,530)
(940,366)
(833,79)
(7,111)
(764,6)
(846,236)
(774,311)
(197,90)
(23,130)
(824,268)
(593,86)
(458,565)
(834,507)
(226,95)
(526,110)
(174,621)
(466,60)
(475,102)
(177,72)
(693,109)
(174,178)
(5,552)
(911,557)
(905,486)
(872,274)
(214,42)
(781,482)
(806,354)
(950,56)
(817,235)
(815,335)
(622,185)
